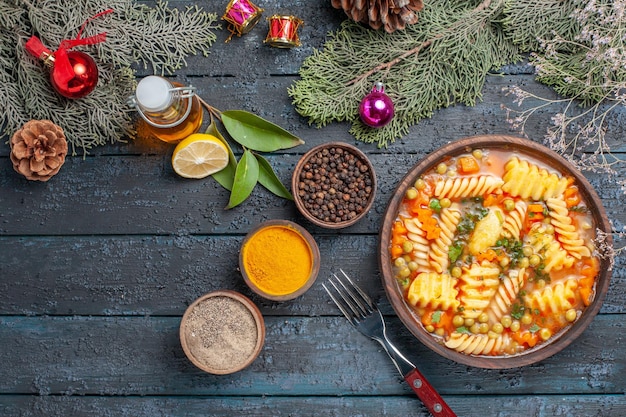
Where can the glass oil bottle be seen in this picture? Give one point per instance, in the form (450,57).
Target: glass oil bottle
(169,111)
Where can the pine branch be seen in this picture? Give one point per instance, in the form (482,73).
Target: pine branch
(159,37)
(441,61)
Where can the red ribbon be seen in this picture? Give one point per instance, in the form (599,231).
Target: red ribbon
(63,68)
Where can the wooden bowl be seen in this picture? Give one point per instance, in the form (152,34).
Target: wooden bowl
(408,314)
(269,261)
(212,322)
(316,189)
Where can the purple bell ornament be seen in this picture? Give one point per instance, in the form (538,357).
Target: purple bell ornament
(376,108)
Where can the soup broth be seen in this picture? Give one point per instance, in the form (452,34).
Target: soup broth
(494,252)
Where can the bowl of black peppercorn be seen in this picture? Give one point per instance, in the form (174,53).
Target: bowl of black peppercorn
(334,185)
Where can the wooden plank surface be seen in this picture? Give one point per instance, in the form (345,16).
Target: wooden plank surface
(98,265)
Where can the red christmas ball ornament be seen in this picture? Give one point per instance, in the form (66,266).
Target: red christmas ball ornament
(73,74)
(83,72)
(376,109)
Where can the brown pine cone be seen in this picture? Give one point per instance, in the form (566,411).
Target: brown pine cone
(38,150)
(391,15)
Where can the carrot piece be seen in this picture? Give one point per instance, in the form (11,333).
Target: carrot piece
(535,208)
(585,295)
(489,255)
(492,200)
(468,165)
(525,337)
(396,251)
(399,228)
(429,223)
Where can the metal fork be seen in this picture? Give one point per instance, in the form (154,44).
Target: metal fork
(363,314)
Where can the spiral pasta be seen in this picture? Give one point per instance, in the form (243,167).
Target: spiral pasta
(477,285)
(526,180)
(489,254)
(506,294)
(476,344)
(515,220)
(566,232)
(433,290)
(467,186)
(448,220)
(421,246)
(555,257)
(554,299)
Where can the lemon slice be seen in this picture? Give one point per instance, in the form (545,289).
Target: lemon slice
(199,155)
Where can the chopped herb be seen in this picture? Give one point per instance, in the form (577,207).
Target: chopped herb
(436,317)
(534,328)
(517,311)
(460,309)
(463,329)
(536,312)
(455,251)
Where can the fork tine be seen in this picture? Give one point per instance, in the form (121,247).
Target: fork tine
(347,292)
(343,306)
(364,297)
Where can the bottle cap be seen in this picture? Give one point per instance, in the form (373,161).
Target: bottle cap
(154,94)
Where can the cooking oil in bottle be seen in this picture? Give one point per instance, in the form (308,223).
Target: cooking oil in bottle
(169,110)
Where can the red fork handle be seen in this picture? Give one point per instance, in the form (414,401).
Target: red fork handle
(431,399)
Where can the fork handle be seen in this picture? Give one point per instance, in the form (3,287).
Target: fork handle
(431,399)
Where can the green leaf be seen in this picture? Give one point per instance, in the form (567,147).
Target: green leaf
(256,133)
(246,177)
(226,176)
(269,180)
(436,318)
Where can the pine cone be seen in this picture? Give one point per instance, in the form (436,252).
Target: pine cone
(391,15)
(38,150)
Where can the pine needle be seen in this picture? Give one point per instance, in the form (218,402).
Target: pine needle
(441,61)
(159,38)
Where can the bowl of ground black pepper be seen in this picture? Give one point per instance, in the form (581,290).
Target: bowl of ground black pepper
(334,185)
(222,332)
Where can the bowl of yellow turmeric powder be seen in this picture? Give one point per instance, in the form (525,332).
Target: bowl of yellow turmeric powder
(279,260)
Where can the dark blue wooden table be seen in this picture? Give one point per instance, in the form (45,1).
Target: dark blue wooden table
(98,265)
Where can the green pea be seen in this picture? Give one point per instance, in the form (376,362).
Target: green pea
(504,262)
(526,318)
(527,250)
(469,322)
(497,328)
(420,184)
(430,328)
(534,260)
(545,334)
(456,272)
(445,202)
(407,246)
(413,266)
(399,262)
(509,204)
(442,168)
(483,328)
(483,318)
(506,321)
(458,321)
(524,262)
(515,326)
(404,272)
(411,193)
(570,315)
(477,153)
(475,328)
